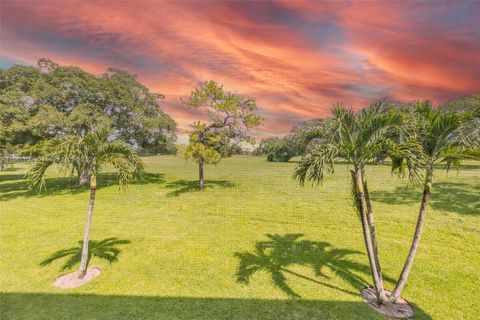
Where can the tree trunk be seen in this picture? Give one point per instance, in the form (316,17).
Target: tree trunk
(200,174)
(371,225)
(402,280)
(357,181)
(84,260)
(83,179)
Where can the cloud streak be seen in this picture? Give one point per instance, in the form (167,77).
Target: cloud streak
(295,58)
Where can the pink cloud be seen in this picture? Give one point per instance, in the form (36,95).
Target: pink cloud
(296,59)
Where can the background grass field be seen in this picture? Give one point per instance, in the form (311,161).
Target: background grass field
(180,261)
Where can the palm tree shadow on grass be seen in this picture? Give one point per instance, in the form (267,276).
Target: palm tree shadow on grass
(13,186)
(449,196)
(106,249)
(275,255)
(185,186)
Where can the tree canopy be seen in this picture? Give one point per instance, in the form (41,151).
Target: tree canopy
(231,117)
(47,101)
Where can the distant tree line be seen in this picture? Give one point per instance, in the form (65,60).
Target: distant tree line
(305,134)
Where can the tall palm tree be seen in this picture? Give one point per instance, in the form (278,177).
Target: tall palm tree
(356,138)
(436,137)
(92,151)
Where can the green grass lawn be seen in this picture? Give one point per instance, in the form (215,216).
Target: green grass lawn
(180,262)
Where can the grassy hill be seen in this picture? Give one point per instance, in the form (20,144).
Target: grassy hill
(180,260)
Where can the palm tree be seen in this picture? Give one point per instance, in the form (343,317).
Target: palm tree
(436,137)
(92,151)
(356,138)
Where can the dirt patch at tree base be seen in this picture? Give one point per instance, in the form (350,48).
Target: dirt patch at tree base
(399,310)
(71,280)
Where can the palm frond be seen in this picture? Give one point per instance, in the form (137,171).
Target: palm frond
(468,135)
(444,133)
(123,158)
(35,176)
(407,157)
(90,152)
(316,164)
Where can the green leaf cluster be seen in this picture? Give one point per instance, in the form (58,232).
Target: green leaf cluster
(47,101)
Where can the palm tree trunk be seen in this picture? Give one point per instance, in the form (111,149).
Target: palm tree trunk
(84,260)
(200,174)
(83,179)
(357,181)
(402,280)
(371,224)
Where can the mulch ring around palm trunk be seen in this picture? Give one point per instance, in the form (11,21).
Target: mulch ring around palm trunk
(71,280)
(399,310)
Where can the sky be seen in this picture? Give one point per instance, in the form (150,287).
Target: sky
(295,58)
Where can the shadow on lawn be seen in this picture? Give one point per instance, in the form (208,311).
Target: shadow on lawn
(185,186)
(105,249)
(449,196)
(279,252)
(36,306)
(14,185)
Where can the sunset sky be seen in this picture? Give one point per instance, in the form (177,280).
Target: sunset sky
(294,58)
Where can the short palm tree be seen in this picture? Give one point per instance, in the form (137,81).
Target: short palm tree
(356,138)
(93,151)
(434,138)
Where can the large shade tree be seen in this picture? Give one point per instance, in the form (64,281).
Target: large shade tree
(93,152)
(355,138)
(231,116)
(48,101)
(433,137)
